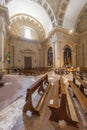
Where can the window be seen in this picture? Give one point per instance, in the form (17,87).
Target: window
(27,33)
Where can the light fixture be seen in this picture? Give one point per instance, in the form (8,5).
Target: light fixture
(71,31)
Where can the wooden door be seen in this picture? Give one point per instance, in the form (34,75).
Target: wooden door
(27,62)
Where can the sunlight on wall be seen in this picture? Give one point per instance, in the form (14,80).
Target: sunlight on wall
(29,33)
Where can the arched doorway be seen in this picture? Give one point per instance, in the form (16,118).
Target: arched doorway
(67,56)
(50,57)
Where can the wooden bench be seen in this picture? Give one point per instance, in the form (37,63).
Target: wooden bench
(60,109)
(39,87)
(82,83)
(80,96)
(33,71)
(82,73)
(1,80)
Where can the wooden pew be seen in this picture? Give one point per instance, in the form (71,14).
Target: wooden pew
(60,107)
(82,83)
(1,80)
(34,71)
(82,72)
(38,86)
(79,95)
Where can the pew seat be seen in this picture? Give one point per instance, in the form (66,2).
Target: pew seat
(60,104)
(39,87)
(80,96)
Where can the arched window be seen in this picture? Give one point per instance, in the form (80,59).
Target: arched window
(27,32)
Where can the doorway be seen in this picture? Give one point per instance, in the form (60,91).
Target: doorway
(27,62)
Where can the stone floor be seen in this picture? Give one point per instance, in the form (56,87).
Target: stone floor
(12,100)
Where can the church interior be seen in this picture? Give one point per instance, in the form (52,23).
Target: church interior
(43,65)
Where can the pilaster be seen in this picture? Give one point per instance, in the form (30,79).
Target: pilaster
(3,25)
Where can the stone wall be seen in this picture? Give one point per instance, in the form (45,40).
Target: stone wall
(83,50)
(20,48)
(64,38)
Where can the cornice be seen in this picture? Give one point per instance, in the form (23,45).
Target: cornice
(62,30)
(55,30)
(25,39)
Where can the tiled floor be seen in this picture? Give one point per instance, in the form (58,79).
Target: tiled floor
(12,100)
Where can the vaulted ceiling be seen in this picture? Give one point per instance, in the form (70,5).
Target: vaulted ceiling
(49,13)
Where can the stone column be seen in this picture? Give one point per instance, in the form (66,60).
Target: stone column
(53,49)
(40,58)
(74,57)
(4,21)
(62,57)
(56,54)
(1,43)
(78,52)
(44,56)
(85,55)
(59,55)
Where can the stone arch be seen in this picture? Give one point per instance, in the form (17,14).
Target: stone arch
(21,20)
(83,48)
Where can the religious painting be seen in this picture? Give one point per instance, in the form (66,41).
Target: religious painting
(67,56)
(50,57)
